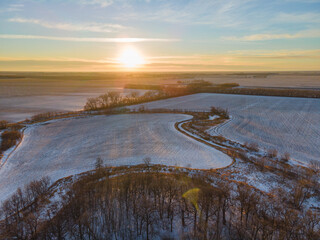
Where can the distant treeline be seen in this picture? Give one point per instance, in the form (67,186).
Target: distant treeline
(186,86)
(11,76)
(51,115)
(200,86)
(143,86)
(265,92)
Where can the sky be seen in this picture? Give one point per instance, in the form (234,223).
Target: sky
(159,35)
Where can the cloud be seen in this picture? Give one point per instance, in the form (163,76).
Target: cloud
(101,3)
(91,27)
(241,57)
(276,54)
(13,8)
(201,12)
(79,39)
(63,59)
(304,1)
(265,36)
(310,17)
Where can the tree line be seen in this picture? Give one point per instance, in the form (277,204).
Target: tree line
(112,99)
(201,86)
(265,92)
(155,205)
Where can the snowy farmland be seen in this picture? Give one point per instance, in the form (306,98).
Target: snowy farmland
(71,146)
(18,108)
(286,124)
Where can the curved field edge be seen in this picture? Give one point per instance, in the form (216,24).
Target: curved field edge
(56,160)
(178,126)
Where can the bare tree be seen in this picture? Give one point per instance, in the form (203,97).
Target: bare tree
(114,97)
(91,104)
(3,124)
(285,157)
(147,162)
(315,165)
(252,146)
(99,163)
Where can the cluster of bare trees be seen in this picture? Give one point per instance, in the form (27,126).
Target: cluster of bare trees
(10,136)
(223,113)
(3,124)
(22,213)
(115,99)
(49,115)
(9,139)
(156,205)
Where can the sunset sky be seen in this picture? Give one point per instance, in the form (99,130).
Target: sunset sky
(159,35)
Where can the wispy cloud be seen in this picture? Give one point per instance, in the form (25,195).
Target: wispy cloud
(304,1)
(79,39)
(101,3)
(201,12)
(13,8)
(309,17)
(239,57)
(91,27)
(266,36)
(276,54)
(62,59)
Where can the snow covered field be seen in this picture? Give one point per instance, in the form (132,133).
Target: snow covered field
(18,108)
(286,124)
(70,146)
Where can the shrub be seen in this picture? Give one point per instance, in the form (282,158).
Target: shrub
(220,111)
(252,146)
(272,153)
(43,116)
(141,108)
(197,84)
(16,126)
(228,85)
(261,162)
(285,157)
(315,165)
(3,124)
(9,139)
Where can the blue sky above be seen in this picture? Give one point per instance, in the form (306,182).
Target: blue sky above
(171,35)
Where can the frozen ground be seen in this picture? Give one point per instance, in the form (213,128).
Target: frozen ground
(18,108)
(286,124)
(71,146)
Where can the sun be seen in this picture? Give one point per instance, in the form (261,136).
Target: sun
(131,58)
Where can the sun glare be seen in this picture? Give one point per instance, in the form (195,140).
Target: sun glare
(131,58)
